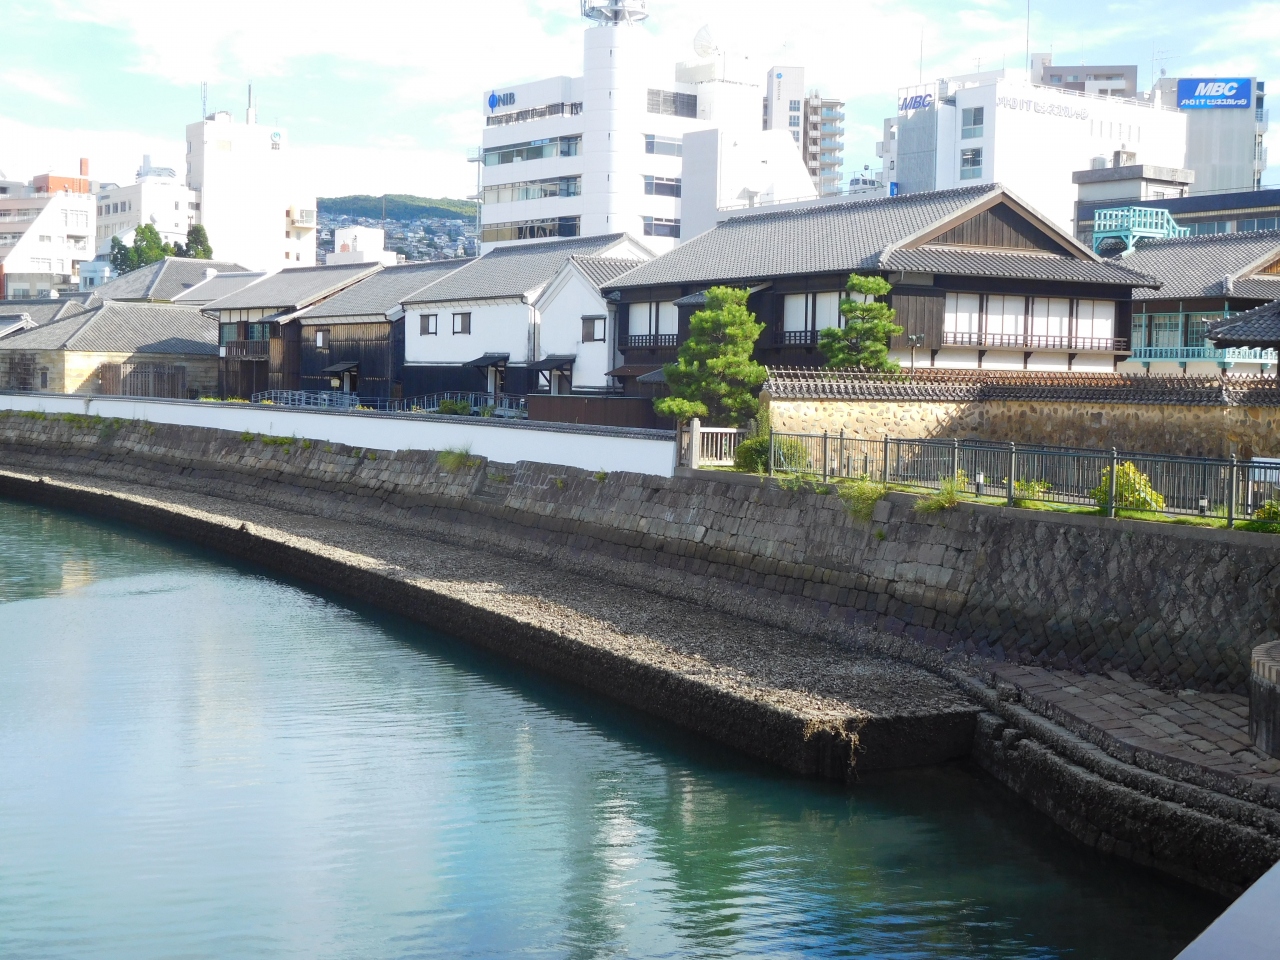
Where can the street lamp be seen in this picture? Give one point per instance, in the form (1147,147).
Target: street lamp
(914,339)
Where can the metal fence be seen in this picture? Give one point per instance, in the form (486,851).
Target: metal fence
(488,404)
(1068,476)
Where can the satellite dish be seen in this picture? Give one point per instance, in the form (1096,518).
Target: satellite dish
(703,45)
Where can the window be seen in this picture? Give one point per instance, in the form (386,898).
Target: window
(1166,329)
(226,333)
(793,120)
(531,229)
(593,329)
(1198,328)
(812,311)
(962,318)
(260,331)
(971,163)
(46,238)
(533,150)
(1055,78)
(286,234)
(462,323)
(795,135)
(665,146)
(322,338)
(971,123)
(656,319)
(1263,223)
(44,379)
(672,104)
(427,326)
(533,190)
(662,186)
(659,227)
(1095,319)
(794,106)
(1005,320)
(1051,319)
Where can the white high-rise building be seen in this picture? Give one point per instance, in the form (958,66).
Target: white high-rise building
(603,153)
(46,232)
(158,197)
(815,123)
(243,177)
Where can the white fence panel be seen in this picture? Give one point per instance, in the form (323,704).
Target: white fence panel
(506,441)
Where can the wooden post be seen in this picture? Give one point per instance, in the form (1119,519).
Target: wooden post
(1013,467)
(695,443)
(1111,486)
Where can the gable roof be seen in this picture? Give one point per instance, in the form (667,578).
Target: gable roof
(513,271)
(47,309)
(603,270)
(294,288)
(162,280)
(883,233)
(1196,266)
(117,327)
(383,291)
(219,285)
(1259,327)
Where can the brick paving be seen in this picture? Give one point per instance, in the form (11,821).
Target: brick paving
(1194,736)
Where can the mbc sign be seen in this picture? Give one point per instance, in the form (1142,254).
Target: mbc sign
(1217,93)
(917,102)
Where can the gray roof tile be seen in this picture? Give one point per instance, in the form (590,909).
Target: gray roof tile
(382,291)
(1259,327)
(46,309)
(219,285)
(1195,266)
(1022,266)
(513,271)
(831,238)
(162,280)
(117,327)
(603,270)
(294,288)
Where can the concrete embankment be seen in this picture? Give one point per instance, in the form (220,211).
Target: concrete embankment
(764,618)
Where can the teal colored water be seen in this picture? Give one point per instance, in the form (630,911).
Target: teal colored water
(197,760)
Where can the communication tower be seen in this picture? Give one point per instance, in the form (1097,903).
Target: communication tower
(615,11)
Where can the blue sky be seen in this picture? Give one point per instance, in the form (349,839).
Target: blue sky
(385,96)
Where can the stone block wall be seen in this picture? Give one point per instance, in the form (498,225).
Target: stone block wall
(1181,430)
(1182,606)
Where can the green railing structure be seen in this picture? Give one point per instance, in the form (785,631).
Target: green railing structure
(1067,476)
(1131,224)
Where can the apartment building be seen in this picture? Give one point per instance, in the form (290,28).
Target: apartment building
(815,123)
(46,232)
(156,197)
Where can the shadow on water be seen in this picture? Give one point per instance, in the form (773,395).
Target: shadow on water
(341,780)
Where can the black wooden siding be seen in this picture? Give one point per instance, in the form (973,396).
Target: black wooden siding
(999,227)
(371,345)
(920,311)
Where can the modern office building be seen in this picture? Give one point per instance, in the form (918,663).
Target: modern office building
(242,175)
(46,232)
(815,123)
(157,197)
(603,153)
(1226,121)
(361,245)
(1237,211)
(1000,127)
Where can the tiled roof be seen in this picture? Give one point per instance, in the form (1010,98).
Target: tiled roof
(602,270)
(1195,266)
(382,291)
(952,386)
(1021,266)
(513,271)
(217,286)
(1259,327)
(117,327)
(46,309)
(294,288)
(1258,287)
(831,238)
(162,280)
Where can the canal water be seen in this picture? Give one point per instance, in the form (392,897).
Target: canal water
(198,760)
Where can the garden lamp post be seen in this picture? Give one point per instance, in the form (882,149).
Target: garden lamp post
(914,339)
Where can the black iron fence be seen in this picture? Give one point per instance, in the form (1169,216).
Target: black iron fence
(1069,476)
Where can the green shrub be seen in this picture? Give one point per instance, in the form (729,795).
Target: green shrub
(1269,511)
(487,410)
(752,456)
(946,497)
(456,408)
(860,497)
(600,476)
(790,454)
(1133,490)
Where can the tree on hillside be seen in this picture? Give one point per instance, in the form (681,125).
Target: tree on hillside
(715,376)
(147,248)
(197,247)
(863,341)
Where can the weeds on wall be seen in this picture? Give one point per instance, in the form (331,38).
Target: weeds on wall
(944,498)
(860,497)
(1133,490)
(456,459)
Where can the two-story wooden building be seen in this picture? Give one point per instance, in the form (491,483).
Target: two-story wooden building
(979,279)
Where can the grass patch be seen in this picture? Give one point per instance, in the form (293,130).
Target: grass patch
(456,459)
(860,497)
(600,476)
(248,437)
(944,498)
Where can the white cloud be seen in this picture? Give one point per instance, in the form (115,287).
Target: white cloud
(36,85)
(114,155)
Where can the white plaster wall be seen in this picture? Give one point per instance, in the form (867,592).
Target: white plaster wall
(600,448)
(568,300)
(500,327)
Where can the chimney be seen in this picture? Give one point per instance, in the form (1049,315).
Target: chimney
(210,273)
(84,166)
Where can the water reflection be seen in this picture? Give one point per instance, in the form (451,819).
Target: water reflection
(200,761)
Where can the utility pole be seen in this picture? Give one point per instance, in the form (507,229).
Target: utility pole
(1028,60)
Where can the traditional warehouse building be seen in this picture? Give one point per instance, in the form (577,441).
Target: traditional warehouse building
(165,280)
(980,281)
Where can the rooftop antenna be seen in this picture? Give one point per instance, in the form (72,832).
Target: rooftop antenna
(204,99)
(705,47)
(250,115)
(1027,62)
(614,12)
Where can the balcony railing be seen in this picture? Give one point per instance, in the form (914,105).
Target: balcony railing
(797,338)
(1029,341)
(1235,354)
(247,349)
(653,340)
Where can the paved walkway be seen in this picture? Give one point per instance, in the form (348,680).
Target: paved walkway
(1199,737)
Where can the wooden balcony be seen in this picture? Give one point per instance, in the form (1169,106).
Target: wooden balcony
(247,349)
(1030,341)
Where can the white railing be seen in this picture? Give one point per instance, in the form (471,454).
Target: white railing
(709,446)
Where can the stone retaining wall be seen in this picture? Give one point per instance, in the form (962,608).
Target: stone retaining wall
(1182,606)
(1180,430)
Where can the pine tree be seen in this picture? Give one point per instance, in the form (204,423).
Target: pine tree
(863,341)
(121,257)
(197,247)
(715,376)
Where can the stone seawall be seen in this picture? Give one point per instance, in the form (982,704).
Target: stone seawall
(969,580)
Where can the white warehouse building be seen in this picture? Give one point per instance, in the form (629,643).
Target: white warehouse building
(604,153)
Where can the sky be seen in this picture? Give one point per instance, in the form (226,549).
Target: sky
(384,96)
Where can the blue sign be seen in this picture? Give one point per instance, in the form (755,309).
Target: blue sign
(893,188)
(1215,93)
(497,100)
(918,102)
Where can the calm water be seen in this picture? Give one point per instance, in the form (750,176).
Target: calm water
(199,761)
